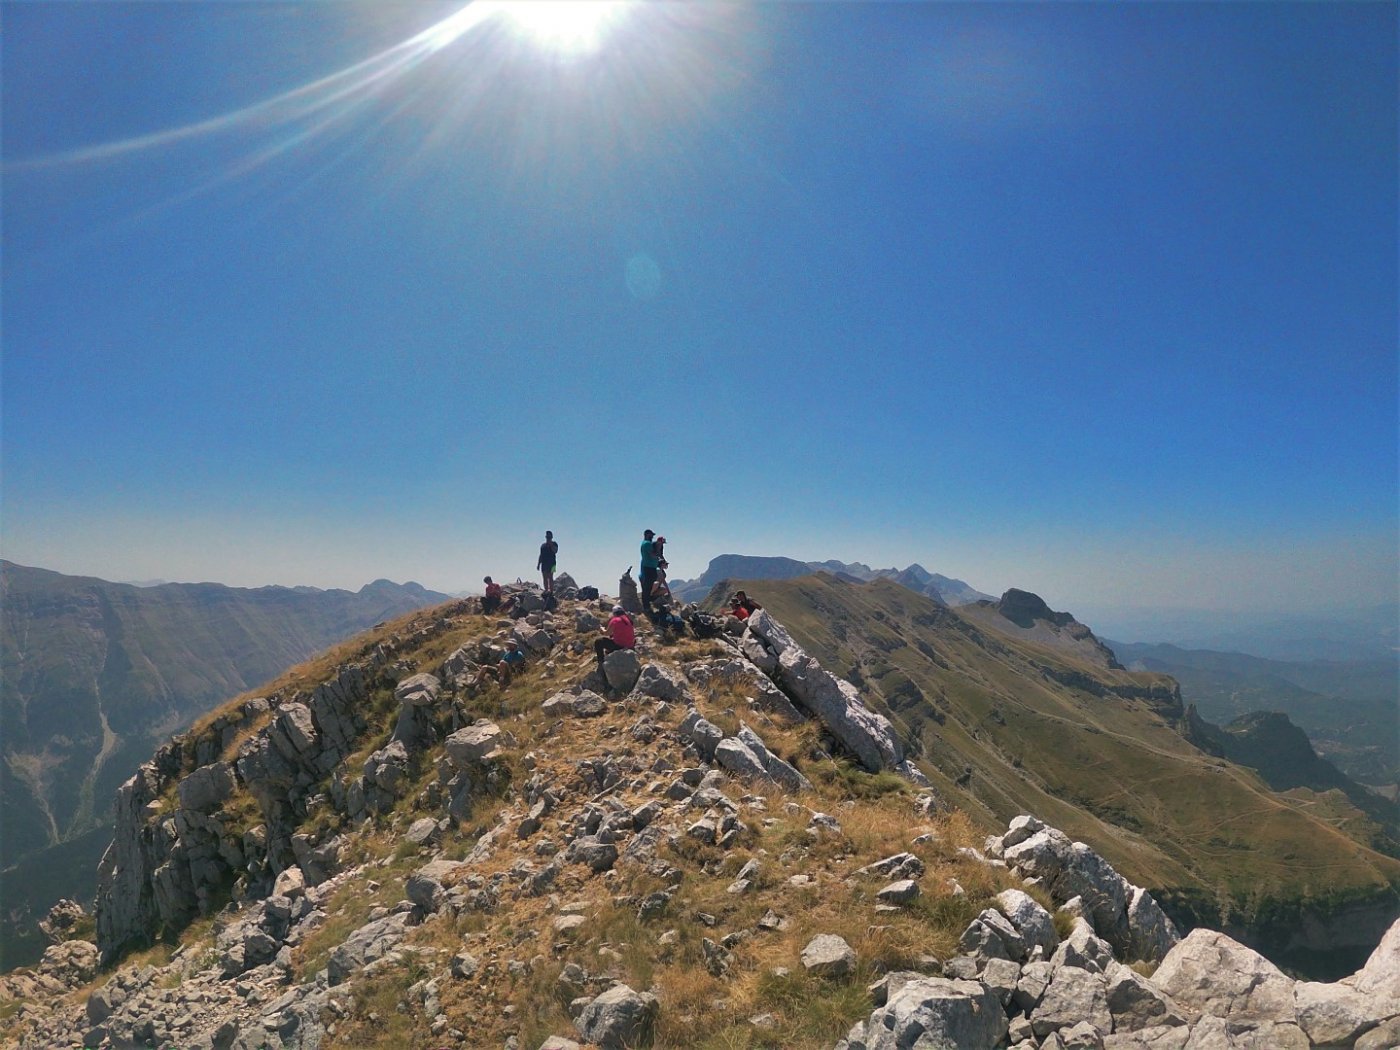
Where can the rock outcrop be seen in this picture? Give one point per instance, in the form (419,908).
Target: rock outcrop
(1017,986)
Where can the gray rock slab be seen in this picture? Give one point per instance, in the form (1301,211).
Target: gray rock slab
(474,744)
(935,1013)
(619,1019)
(1334,1013)
(828,955)
(1074,995)
(1209,974)
(1136,1003)
(1035,925)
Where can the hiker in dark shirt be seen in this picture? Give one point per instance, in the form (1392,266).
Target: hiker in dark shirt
(549,556)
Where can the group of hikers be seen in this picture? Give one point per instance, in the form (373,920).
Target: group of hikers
(620,632)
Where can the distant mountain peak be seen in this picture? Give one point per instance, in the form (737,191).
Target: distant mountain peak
(916,578)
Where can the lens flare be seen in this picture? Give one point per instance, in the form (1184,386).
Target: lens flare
(570,27)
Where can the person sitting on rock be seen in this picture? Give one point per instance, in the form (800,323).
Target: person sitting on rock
(491,601)
(741,606)
(665,616)
(621,635)
(511,663)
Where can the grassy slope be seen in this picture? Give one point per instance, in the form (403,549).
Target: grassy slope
(1106,768)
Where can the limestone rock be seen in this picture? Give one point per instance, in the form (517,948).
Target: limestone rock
(704,734)
(61,920)
(896,866)
(207,787)
(1209,974)
(1136,1004)
(1035,925)
(1381,974)
(828,955)
(619,1019)
(837,703)
(473,745)
(418,691)
(661,683)
(934,1013)
(1073,995)
(1385,1036)
(901,892)
(370,942)
(1334,1013)
(622,669)
(1157,1037)
(1084,950)
(1150,933)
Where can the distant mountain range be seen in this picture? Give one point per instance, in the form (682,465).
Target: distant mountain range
(748,567)
(1339,635)
(1349,708)
(97,673)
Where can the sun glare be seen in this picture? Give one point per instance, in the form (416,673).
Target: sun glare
(565,26)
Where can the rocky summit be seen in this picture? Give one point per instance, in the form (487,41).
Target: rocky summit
(708,842)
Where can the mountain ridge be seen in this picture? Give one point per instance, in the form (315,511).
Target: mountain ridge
(744,566)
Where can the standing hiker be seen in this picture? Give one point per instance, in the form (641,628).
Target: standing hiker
(549,555)
(621,635)
(651,561)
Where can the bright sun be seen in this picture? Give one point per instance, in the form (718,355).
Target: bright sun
(566,26)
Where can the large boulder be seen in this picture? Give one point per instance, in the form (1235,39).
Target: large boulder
(622,669)
(746,755)
(1381,974)
(1334,1014)
(662,684)
(828,955)
(475,744)
(207,787)
(934,1013)
(419,690)
(372,941)
(1136,1004)
(1035,925)
(701,732)
(1210,975)
(619,1019)
(1151,934)
(1074,995)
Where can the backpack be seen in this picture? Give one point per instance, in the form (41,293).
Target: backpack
(588,593)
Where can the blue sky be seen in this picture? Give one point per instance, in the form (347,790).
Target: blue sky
(1098,300)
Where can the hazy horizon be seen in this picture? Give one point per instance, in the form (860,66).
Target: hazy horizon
(1097,301)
